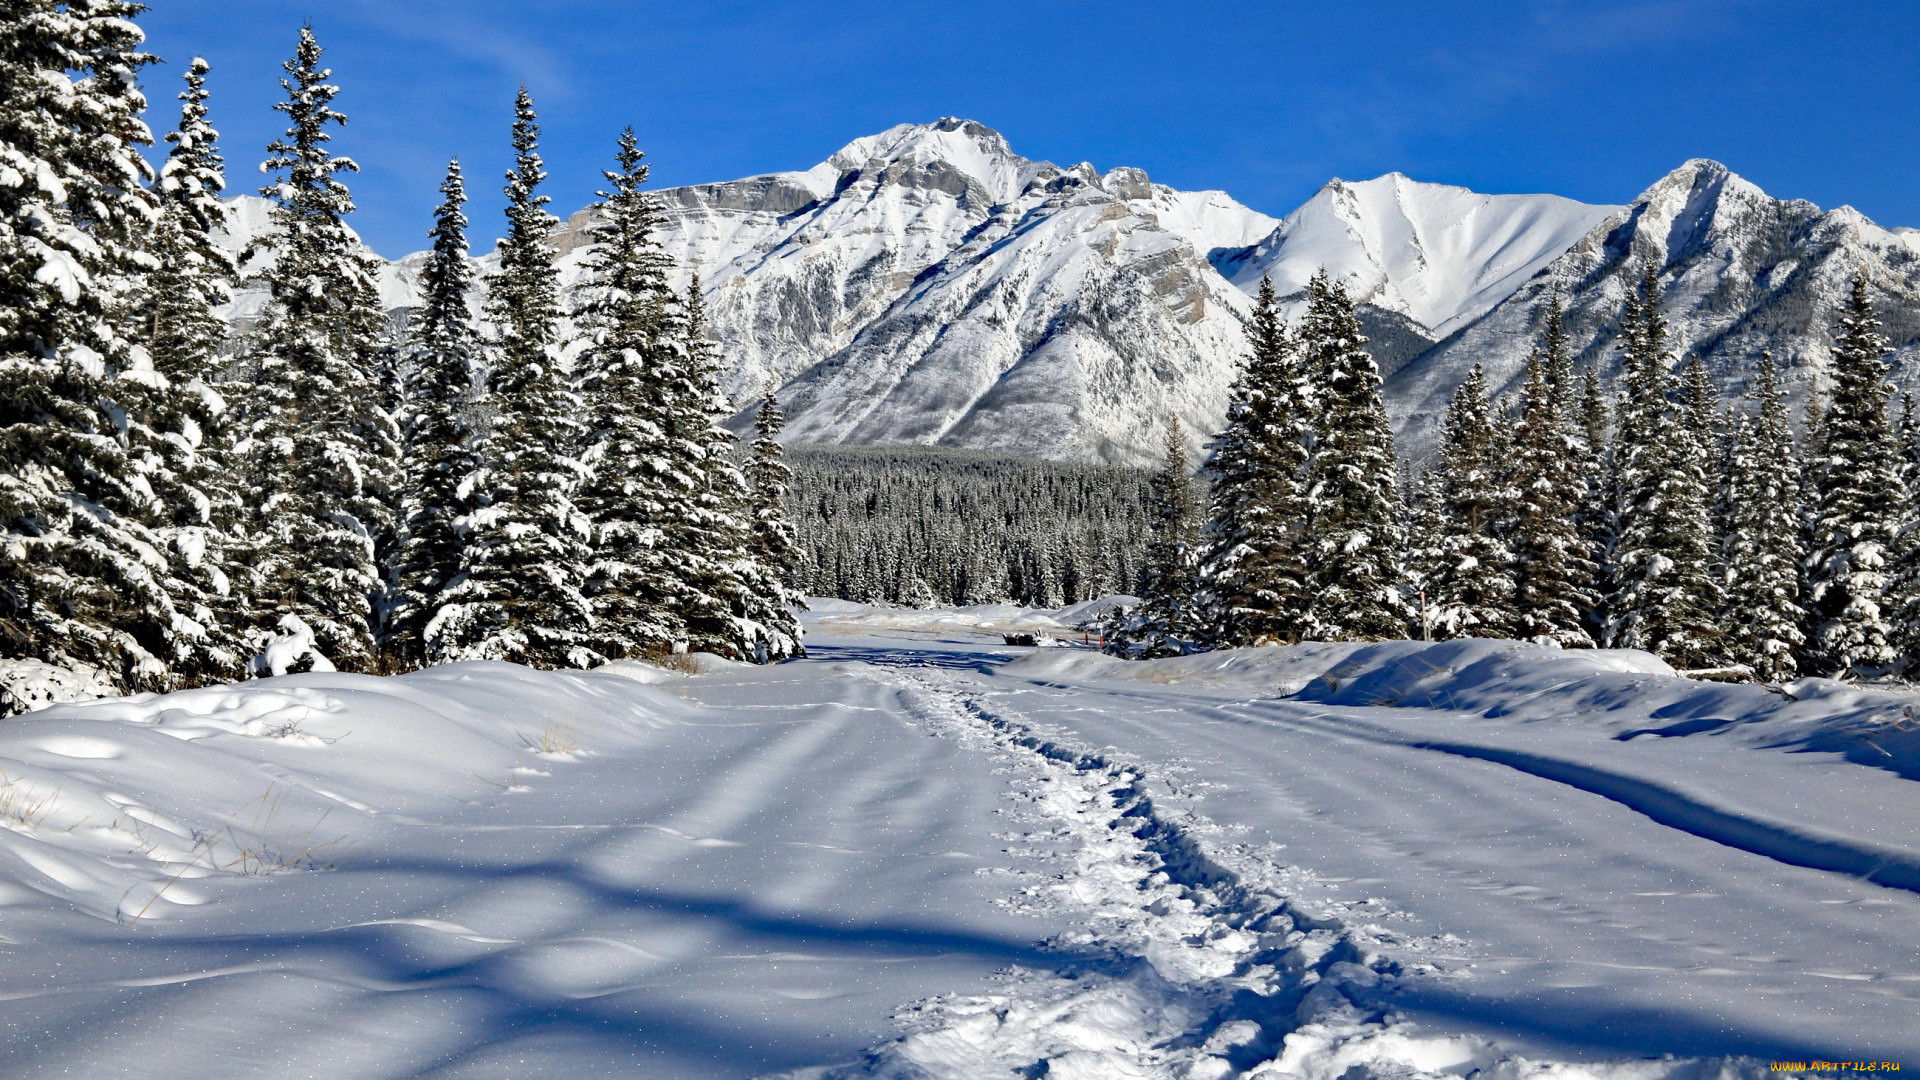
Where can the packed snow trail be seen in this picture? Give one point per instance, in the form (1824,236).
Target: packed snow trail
(1615,888)
(923,855)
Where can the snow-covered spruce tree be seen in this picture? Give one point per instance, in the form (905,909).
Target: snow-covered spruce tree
(1593,516)
(439,459)
(181,421)
(1253,587)
(1352,542)
(1557,350)
(323,443)
(768,479)
(1467,572)
(1659,564)
(1761,611)
(1551,569)
(1698,413)
(736,605)
(527,546)
(193,274)
(1423,528)
(1163,624)
(1903,585)
(82,574)
(1854,514)
(645,455)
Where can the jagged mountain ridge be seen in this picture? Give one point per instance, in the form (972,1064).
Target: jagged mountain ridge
(927,285)
(1740,271)
(1440,255)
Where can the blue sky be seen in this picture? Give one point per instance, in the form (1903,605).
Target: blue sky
(1593,100)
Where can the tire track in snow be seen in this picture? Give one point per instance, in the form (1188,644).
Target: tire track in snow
(1794,845)
(1211,969)
(1783,842)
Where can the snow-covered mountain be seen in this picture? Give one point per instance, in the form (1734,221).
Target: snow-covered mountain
(1741,271)
(928,285)
(1437,254)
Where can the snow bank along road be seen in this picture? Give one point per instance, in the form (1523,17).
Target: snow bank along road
(920,854)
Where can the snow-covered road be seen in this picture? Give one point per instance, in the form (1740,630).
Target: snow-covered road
(921,854)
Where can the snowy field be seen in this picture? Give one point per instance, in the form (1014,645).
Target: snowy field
(923,853)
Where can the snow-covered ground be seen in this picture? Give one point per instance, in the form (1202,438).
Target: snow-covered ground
(923,853)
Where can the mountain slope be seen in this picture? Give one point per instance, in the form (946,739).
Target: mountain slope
(928,285)
(1740,271)
(1438,254)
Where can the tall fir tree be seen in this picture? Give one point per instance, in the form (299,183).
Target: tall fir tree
(1164,623)
(645,454)
(181,419)
(1253,588)
(1760,551)
(1352,543)
(1699,406)
(1467,573)
(1556,350)
(438,493)
(526,543)
(1855,510)
(1659,564)
(323,443)
(735,604)
(83,577)
(1551,568)
(768,480)
(1593,517)
(1903,585)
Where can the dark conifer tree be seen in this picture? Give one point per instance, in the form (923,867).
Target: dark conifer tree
(193,274)
(736,605)
(324,445)
(527,545)
(1352,543)
(1469,585)
(645,454)
(1253,587)
(1556,349)
(1163,624)
(1903,585)
(1854,514)
(82,583)
(768,479)
(1703,459)
(1659,562)
(1468,572)
(180,419)
(437,489)
(1551,569)
(1762,615)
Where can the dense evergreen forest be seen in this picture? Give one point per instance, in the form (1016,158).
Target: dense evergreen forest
(185,502)
(1647,518)
(923,527)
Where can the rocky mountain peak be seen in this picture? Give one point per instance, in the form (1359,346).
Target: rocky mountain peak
(948,154)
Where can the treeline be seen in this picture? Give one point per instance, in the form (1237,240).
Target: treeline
(1649,518)
(552,486)
(923,528)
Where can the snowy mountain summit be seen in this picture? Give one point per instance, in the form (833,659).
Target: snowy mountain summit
(928,285)
(1440,255)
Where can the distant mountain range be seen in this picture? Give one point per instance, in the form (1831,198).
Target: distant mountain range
(928,285)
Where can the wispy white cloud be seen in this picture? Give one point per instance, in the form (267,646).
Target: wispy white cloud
(456,27)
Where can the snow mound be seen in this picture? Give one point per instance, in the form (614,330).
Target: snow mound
(32,684)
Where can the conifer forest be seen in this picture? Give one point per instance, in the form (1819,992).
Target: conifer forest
(545,483)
